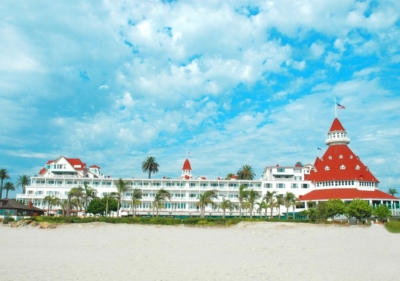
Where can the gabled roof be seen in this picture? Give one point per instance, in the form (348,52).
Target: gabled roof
(336,126)
(94,166)
(42,171)
(186,165)
(13,204)
(345,193)
(76,161)
(339,163)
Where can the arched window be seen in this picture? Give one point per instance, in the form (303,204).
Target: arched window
(343,167)
(330,157)
(358,167)
(327,168)
(340,156)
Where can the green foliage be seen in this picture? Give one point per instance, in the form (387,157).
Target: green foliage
(98,206)
(246,173)
(359,209)
(334,207)
(150,165)
(393,226)
(382,212)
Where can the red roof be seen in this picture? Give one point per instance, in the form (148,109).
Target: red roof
(76,161)
(42,171)
(340,163)
(336,126)
(186,165)
(94,166)
(50,161)
(345,193)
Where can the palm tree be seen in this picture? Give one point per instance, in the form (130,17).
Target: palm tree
(47,199)
(77,193)
(392,191)
(251,199)
(136,195)
(121,188)
(246,173)
(243,194)
(23,181)
(161,196)
(88,193)
(150,165)
(8,186)
(269,199)
(64,206)
(107,197)
(51,201)
(278,203)
(226,204)
(295,203)
(229,176)
(3,176)
(205,199)
(262,205)
(288,199)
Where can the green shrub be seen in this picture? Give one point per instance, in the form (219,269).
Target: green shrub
(393,226)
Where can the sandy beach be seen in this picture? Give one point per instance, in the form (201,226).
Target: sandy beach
(248,251)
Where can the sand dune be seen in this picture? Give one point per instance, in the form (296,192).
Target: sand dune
(248,251)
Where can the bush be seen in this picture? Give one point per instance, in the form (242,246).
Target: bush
(393,226)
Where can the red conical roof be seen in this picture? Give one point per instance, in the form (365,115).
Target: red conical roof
(336,126)
(186,165)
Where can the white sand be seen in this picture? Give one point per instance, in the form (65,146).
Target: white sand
(249,251)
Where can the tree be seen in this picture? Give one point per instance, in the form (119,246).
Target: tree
(75,193)
(121,188)
(229,176)
(205,199)
(392,191)
(3,176)
(150,165)
(23,181)
(107,198)
(136,195)
(243,194)
(88,194)
(270,200)
(251,199)
(224,205)
(246,173)
(288,199)
(334,207)
(8,186)
(278,203)
(382,212)
(359,209)
(262,206)
(101,206)
(51,201)
(160,196)
(296,202)
(64,206)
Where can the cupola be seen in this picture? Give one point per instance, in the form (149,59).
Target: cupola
(337,135)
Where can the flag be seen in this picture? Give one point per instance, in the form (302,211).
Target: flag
(189,153)
(339,106)
(319,148)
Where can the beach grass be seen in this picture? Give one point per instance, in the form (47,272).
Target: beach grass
(393,226)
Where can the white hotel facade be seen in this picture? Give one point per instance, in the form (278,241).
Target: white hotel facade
(337,174)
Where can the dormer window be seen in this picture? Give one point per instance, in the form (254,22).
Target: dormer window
(343,167)
(330,157)
(357,167)
(327,168)
(351,156)
(340,156)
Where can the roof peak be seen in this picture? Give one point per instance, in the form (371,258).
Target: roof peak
(337,126)
(186,165)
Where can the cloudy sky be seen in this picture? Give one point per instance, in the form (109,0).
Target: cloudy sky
(233,82)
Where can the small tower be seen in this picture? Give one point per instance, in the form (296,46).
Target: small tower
(337,135)
(186,170)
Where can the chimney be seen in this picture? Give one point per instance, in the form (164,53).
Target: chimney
(277,165)
(30,204)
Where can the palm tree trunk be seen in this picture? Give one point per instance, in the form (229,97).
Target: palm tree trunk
(149,174)
(69,206)
(223,214)
(287,213)
(1,189)
(106,207)
(294,209)
(133,209)
(6,193)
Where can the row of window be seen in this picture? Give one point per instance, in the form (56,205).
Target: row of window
(335,183)
(284,185)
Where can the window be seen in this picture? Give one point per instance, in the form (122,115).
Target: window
(327,168)
(214,184)
(267,185)
(280,185)
(295,185)
(330,157)
(192,195)
(340,156)
(192,184)
(304,185)
(281,170)
(357,167)
(343,167)
(297,170)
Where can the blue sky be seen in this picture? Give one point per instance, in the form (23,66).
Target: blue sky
(233,82)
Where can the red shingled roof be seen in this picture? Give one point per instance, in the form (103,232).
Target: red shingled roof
(345,193)
(336,126)
(42,171)
(94,166)
(340,163)
(186,165)
(76,161)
